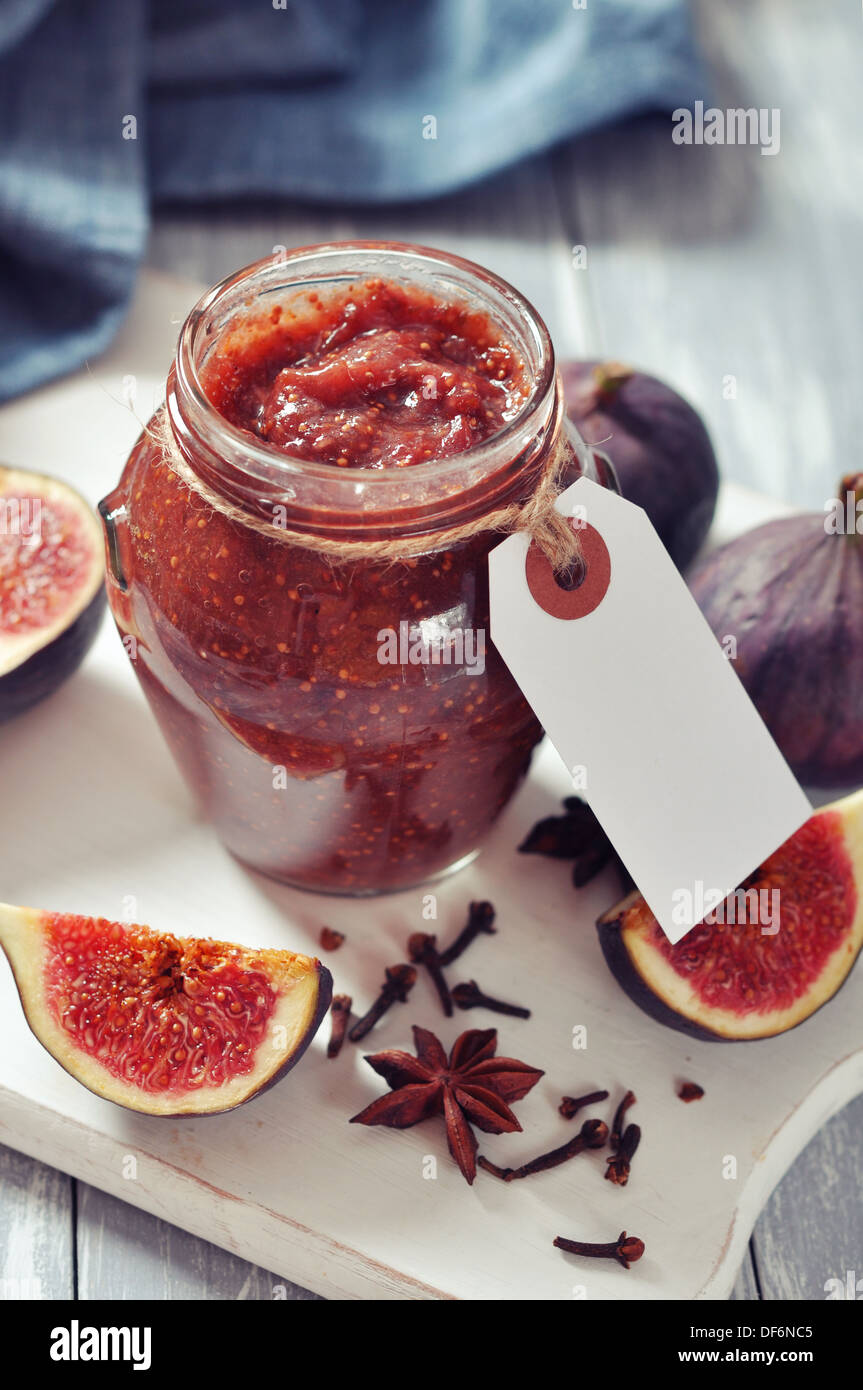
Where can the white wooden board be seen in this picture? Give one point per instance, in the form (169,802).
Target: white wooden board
(95,819)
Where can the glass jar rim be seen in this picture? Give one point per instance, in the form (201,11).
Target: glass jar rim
(364,503)
(270,456)
(407,252)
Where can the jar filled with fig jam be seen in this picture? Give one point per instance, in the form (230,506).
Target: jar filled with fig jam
(297,557)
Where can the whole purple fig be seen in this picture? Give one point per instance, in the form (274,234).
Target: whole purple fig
(657,443)
(786,599)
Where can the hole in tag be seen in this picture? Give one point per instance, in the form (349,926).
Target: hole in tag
(581,588)
(573,577)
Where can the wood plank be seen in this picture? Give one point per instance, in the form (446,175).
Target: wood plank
(812,1228)
(126,1253)
(36,1230)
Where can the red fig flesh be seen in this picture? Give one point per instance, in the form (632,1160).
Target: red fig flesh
(786,599)
(769,962)
(162,1024)
(658,444)
(52,594)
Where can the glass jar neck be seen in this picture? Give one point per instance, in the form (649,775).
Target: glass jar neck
(356,503)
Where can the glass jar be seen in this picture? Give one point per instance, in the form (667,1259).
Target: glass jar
(306,699)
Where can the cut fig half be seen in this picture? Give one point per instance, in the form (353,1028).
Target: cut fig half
(158,1023)
(777,950)
(52,593)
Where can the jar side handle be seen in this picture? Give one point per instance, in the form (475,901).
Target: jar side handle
(112,510)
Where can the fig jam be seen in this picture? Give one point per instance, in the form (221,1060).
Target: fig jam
(383,376)
(346,727)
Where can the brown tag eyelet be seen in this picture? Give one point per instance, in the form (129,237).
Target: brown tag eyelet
(588,590)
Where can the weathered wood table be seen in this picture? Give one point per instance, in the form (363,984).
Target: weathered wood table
(735,275)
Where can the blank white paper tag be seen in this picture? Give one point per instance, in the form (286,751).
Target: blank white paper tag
(645,710)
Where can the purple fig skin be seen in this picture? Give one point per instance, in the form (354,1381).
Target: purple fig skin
(658,444)
(619,962)
(791,595)
(46,670)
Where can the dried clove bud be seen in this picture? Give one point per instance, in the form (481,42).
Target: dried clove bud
(626,1249)
(619,1116)
(480,918)
(340,1012)
(619,1164)
(570,1105)
(470,996)
(399,982)
(422,949)
(592,1135)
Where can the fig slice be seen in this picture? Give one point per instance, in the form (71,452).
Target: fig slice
(52,593)
(158,1023)
(735,978)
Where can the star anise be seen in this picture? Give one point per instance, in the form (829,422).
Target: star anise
(471,1087)
(576,835)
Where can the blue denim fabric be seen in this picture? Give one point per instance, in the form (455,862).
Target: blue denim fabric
(331,100)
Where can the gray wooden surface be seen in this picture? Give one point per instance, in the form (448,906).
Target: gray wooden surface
(736,276)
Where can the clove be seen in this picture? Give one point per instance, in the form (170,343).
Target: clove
(570,1105)
(592,1135)
(480,918)
(340,1012)
(626,1249)
(470,996)
(619,1163)
(422,949)
(399,982)
(619,1116)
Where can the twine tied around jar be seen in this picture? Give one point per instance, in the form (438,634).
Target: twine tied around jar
(553,533)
